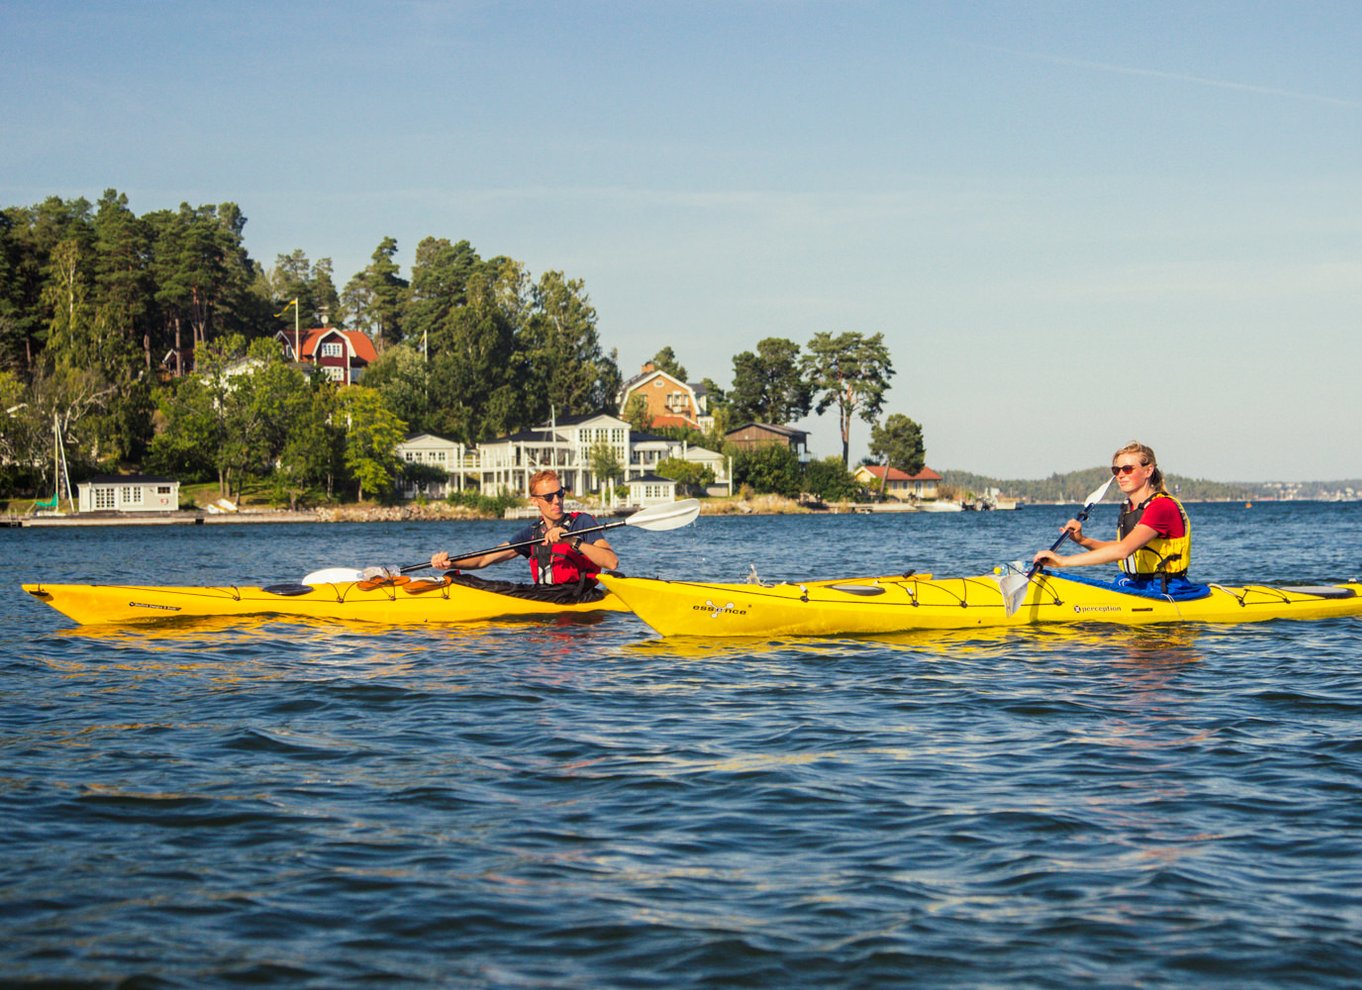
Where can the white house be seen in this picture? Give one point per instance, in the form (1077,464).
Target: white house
(427,448)
(506,463)
(649,489)
(567,446)
(129,493)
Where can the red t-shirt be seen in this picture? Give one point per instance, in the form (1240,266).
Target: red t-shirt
(1163,517)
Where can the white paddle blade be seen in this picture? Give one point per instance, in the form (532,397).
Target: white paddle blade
(1012,582)
(333,575)
(1099,494)
(672,515)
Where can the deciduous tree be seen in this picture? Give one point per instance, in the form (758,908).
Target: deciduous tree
(850,371)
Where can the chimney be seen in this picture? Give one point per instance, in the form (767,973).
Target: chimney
(648,366)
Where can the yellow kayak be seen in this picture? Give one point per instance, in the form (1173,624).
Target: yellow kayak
(400,601)
(893,604)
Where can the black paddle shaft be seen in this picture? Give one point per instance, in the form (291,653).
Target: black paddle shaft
(1081,517)
(514,546)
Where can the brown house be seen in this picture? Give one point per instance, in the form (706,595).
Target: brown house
(749,436)
(341,354)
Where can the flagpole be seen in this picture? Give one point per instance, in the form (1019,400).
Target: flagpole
(297,331)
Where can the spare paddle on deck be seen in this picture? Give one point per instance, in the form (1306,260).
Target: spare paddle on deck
(655,518)
(1013,581)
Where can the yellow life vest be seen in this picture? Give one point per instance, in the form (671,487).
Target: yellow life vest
(1170,556)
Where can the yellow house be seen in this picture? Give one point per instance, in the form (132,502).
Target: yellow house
(671,402)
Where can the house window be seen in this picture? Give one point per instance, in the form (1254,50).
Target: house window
(104,498)
(331,349)
(334,373)
(162,489)
(130,495)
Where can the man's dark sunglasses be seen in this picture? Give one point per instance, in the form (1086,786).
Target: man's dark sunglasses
(550,496)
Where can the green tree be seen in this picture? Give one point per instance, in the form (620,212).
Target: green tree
(473,390)
(400,375)
(770,468)
(852,372)
(295,277)
(123,288)
(665,360)
(314,449)
(769,386)
(372,434)
(829,480)
(689,475)
(439,284)
(898,444)
(203,276)
(636,414)
(605,463)
(565,370)
(373,299)
(187,447)
(24,438)
(31,236)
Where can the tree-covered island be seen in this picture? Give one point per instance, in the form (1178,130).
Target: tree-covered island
(156,344)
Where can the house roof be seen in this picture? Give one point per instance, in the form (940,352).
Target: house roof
(647,375)
(546,434)
(784,431)
(877,471)
(667,420)
(651,479)
(360,344)
(130,479)
(586,418)
(648,372)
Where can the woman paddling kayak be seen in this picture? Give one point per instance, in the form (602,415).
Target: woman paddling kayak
(1153,534)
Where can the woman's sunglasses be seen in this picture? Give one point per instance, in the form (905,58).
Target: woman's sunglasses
(1124,468)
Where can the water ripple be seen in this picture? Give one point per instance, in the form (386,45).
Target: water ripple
(267,803)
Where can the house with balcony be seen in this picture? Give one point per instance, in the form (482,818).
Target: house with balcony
(568,446)
(565,445)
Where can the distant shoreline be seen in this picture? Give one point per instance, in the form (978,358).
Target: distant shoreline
(759,505)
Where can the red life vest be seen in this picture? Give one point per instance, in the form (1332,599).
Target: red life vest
(561,564)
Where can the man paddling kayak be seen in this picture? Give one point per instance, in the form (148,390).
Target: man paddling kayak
(1153,534)
(559,557)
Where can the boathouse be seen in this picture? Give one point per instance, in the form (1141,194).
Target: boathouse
(129,493)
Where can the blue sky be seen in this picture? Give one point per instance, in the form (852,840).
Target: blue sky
(1076,224)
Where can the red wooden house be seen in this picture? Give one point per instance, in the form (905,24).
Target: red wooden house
(341,354)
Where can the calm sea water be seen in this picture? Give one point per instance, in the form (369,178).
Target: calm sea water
(269,803)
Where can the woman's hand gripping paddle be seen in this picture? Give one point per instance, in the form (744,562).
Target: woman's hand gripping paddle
(655,519)
(1013,581)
